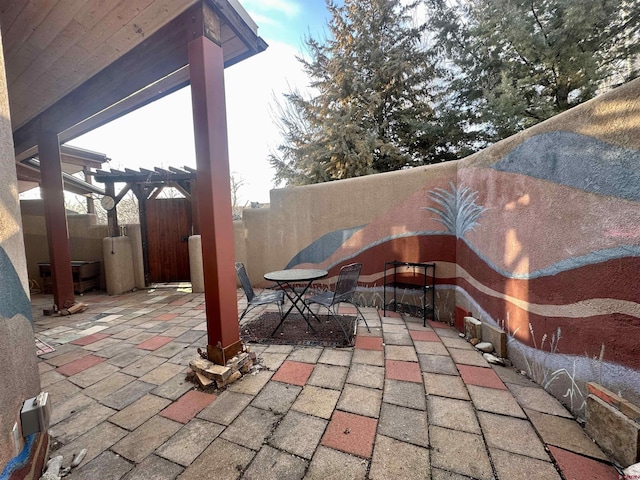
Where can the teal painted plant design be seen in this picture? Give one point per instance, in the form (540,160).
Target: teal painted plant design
(457,208)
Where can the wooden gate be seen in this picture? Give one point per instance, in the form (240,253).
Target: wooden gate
(169,226)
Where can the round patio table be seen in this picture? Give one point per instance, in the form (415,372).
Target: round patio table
(286,279)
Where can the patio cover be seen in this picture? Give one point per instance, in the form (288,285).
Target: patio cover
(73,66)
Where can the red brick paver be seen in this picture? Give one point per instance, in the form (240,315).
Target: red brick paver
(574,466)
(351,433)
(391,314)
(188,406)
(347,310)
(480,376)
(369,343)
(295,373)
(89,339)
(179,303)
(433,324)
(154,343)
(77,366)
(422,336)
(405,371)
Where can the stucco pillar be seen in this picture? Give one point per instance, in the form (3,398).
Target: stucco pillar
(195,264)
(206,65)
(118,265)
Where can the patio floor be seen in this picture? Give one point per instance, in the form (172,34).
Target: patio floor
(406,402)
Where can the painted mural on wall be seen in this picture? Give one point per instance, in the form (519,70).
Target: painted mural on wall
(13,299)
(543,241)
(408,231)
(553,261)
(16,341)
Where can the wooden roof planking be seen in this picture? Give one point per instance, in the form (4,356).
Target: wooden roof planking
(69,60)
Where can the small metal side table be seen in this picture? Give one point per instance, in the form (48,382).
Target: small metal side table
(410,276)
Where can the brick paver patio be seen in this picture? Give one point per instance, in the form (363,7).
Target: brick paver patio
(406,402)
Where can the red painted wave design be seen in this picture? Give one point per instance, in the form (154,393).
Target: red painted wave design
(609,279)
(580,336)
(619,333)
(407,249)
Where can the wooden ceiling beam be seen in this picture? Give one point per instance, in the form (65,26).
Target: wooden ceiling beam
(163,87)
(155,68)
(155,58)
(27,174)
(239,26)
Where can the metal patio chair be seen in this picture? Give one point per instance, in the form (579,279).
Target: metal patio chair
(253,300)
(343,293)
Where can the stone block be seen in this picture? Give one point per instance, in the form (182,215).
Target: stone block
(210,369)
(234,376)
(616,434)
(627,408)
(497,337)
(222,374)
(472,328)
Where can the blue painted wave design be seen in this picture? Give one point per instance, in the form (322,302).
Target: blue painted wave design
(591,258)
(13,299)
(577,161)
(21,460)
(323,247)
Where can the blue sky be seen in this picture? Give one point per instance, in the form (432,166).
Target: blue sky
(161,134)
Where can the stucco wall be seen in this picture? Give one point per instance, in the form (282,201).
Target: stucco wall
(20,378)
(538,234)
(556,254)
(369,220)
(85,238)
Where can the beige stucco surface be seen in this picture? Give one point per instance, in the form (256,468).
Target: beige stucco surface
(20,378)
(118,264)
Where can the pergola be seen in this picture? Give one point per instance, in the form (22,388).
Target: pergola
(73,66)
(147,185)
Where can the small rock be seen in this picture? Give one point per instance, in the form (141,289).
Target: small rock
(633,471)
(486,347)
(53,469)
(474,341)
(493,359)
(204,381)
(77,460)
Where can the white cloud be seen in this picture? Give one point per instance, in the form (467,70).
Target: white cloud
(289,8)
(263,20)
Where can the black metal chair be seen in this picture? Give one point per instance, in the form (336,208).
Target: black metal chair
(343,293)
(253,300)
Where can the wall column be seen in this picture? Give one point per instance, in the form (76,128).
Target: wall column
(206,64)
(52,190)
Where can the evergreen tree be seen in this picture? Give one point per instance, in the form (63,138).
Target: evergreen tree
(513,63)
(371,110)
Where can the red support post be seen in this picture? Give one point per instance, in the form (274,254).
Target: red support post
(206,66)
(52,190)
